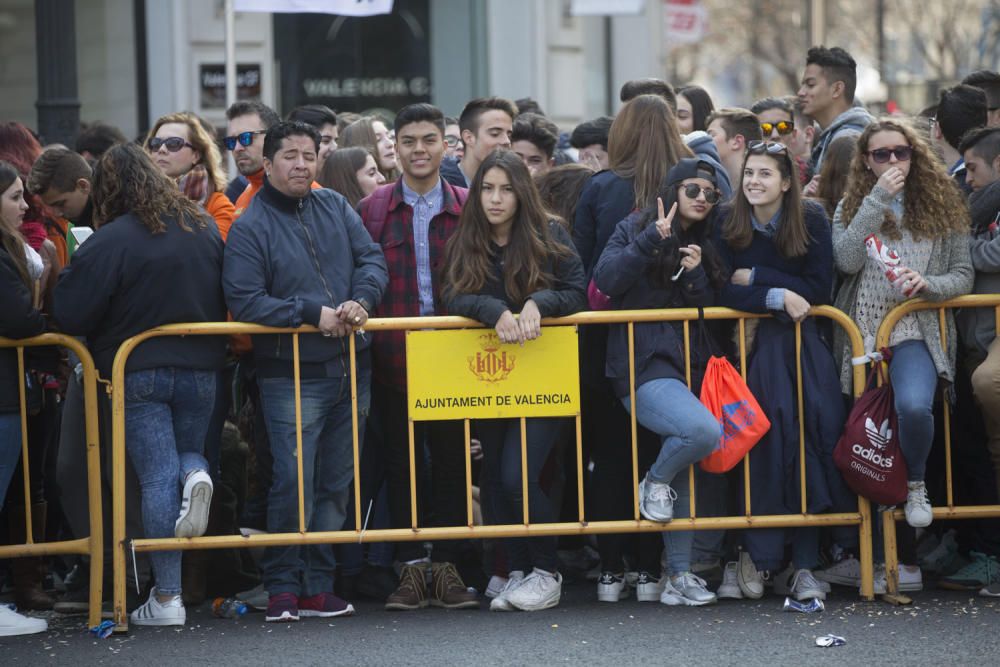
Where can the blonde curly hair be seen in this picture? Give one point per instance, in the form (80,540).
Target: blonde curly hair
(933,207)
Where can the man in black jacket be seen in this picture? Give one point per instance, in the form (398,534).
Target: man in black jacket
(301,256)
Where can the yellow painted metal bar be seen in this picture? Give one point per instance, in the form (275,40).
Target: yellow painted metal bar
(950,488)
(632,420)
(355,429)
(687,376)
(802,420)
(468,474)
(296,374)
(579,467)
(524,471)
(25,467)
(746,457)
(413,476)
(891,558)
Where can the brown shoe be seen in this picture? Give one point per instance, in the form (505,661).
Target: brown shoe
(449,589)
(412,591)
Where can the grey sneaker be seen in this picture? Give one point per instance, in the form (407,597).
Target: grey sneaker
(656,500)
(730,587)
(918,508)
(500,603)
(686,589)
(805,587)
(539,590)
(748,579)
(784,582)
(845,572)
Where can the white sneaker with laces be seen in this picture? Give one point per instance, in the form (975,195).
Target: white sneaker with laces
(500,603)
(195,502)
(611,587)
(784,582)
(688,590)
(918,507)
(656,500)
(729,589)
(845,572)
(648,588)
(910,579)
(155,612)
(539,590)
(748,578)
(496,586)
(806,587)
(13,624)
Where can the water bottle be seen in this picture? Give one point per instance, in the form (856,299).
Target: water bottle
(228,608)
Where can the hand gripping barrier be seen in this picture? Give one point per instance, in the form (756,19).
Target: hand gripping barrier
(951,510)
(92,546)
(861,518)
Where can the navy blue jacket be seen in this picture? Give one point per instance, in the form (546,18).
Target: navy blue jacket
(451,172)
(285,259)
(622,273)
(125,280)
(606,200)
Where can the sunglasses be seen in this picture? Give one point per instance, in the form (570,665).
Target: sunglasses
(769,147)
(245,139)
(882,155)
(782,126)
(691,191)
(173,144)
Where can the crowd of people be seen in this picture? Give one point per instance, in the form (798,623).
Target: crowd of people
(498,216)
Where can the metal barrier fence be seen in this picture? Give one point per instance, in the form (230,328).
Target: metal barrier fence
(950,510)
(861,518)
(93,545)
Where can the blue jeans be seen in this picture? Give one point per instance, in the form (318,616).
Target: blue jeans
(166,417)
(914,381)
(327,470)
(690,433)
(10,449)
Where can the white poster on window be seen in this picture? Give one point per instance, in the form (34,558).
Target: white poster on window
(685,21)
(339,7)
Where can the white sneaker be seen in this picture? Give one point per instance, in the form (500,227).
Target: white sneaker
(155,612)
(13,623)
(729,589)
(806,587)
(686,589)
(918,508)
(195,502)
(748,578)
(500,603)
(910,579)
(496,586)
(648,588)
(784,582)
(845,572)
(539,590)
(611,587)
(656,500)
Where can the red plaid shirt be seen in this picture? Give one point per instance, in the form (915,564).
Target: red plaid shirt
(401,297)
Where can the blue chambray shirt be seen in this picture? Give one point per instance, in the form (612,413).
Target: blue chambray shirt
(425,207)
(775,299)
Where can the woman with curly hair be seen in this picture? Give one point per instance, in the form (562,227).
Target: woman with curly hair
(181,145)
(899,191)
(155,259)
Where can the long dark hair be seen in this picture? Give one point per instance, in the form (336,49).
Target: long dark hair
(835,172)
(792,238)
(10,238)
(701,104)
(468,255)
(340,172)
(699,233)
(126,181)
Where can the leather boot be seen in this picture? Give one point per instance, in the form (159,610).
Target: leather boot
(29,572)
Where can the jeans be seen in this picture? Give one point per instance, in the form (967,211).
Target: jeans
(327,473)
(167,411)
(914,380)
(690,433)
(10,449)
(502,490)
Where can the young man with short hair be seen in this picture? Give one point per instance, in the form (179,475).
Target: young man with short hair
(590,138)
(248,122)
(454,148)
(959,110)
(534,138)
(412,219)
(827,95)
(989,83)
(637,87)
(732,129)
(95,139)
(486,124)
(777,123)
(61,179)
(323,119)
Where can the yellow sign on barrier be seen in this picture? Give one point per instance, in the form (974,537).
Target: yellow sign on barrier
(471,374)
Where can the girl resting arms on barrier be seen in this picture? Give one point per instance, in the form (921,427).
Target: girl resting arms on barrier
(508,256)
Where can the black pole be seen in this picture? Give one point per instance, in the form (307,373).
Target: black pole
(55,43)
(141,66)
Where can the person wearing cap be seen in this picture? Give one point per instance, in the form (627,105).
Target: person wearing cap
(662,257)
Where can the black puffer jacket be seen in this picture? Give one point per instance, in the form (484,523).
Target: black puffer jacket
(18,319)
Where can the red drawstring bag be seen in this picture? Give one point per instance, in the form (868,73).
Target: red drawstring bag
(868,453)
(728,398)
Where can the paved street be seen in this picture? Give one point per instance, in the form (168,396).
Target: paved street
(940,628)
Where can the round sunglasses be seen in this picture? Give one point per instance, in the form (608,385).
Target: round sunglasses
(173,144)
(882,155)
(782,126)
(691,191)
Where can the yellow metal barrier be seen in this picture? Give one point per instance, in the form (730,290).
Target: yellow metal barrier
(93,545)
(950,511)
(861,518)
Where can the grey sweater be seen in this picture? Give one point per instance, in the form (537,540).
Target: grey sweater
(948,275)
(977,326)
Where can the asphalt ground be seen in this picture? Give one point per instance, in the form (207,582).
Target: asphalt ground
(939,628)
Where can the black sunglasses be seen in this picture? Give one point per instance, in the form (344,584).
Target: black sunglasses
(173,144)
(245,139)
(691,191)
(882,155)
(770,147)
(782,126)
